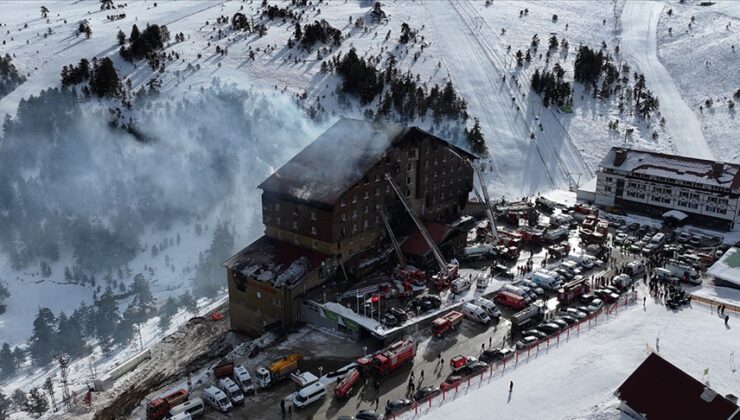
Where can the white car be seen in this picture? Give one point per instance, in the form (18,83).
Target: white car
(526,342)
(575,313)
(596,305)
(620,238)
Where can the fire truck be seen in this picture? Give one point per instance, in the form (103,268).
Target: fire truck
(380,363)
(572,291)
(449,322)
(159,408)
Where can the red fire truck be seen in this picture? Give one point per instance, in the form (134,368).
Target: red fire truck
(389,359)
(572,291)
(448,322)
(344,387)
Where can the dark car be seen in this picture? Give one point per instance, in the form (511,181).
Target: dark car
(426,392)
(559,322)
(569,319)
(500,270)
(633,226)
(494,355)
(426,302)
(548,328)
(473,368)
(400,314)
(368,415)
(535,333)
(397,406)
(389,320)
(587,298)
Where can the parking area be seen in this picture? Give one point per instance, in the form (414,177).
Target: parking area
(629,252)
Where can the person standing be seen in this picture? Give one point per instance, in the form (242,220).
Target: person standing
(282,407)
(511,386)
(727,319)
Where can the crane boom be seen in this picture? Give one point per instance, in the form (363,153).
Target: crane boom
(401,258)
(424,233)
(486,202)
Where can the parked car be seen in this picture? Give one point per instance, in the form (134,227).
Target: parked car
(400,315)
(368,415)
(535,333)
(532,286)
(585,310)
(596,305)
(396,406)
(426,392)
(575,313)
(389,320)
(586,298)
(560,322)
(490,308)
(620,238)
(568,319)
(606,295)
(494,355)
(526,342)
(548,328)
(452,382)
(473,368)
(683,237)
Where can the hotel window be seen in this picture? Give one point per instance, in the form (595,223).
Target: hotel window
(408,166)
(344,217)
(354,213)
(377,177)
(411,154)
(354,198)
(354,227)
(377,191)
(342,203)
(313,215)
(277,220)
(295,225)
(408,180)
(367,208)
(367,195)
(258,294)
(717,205)
(313,230)
(365,224)
(277,206)
(387,187)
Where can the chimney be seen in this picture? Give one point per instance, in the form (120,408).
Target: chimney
(620,155)
(732,397)
(717,169)
(708,395)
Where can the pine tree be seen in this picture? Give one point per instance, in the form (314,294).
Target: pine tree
(37,402)
(188,302)
(519,58)
(297,33)
(167,312)
(8,365)
(135,34)
(4,295)
(105,82)
(475,137)
(121,37)
(42,344)
(69,335)
(20,400)
(4,407)
(107,318)
(49,388)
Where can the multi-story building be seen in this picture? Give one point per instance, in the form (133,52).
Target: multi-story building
(326,203)
(653,183)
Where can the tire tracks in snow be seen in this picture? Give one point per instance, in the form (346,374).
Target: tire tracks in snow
(639,41)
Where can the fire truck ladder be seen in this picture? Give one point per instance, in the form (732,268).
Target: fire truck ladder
(401,258)
(485,202)
(424,233)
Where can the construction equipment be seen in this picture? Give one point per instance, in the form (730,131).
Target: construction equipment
(447,272)
(277,370)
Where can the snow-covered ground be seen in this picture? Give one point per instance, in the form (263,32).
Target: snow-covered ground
(576,379)
(639,21)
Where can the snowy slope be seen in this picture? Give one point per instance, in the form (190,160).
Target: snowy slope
(586,370)
(639,41)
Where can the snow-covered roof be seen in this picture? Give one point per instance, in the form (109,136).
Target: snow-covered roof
(681,168)
(338,159)
(678,215)
(659,390)
(280,263)
(727,268)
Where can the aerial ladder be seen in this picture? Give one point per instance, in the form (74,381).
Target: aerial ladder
(410,277)
(396,246)
(447,271)
(485,200)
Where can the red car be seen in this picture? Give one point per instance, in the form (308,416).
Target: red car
(452,382)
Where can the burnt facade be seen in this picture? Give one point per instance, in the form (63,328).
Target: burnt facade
(327,201)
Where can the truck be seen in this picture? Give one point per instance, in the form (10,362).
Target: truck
(479,251)
(524,317)
(683,271)
(448,322)
(344,387)
(276,371)
(389,359)
(159,408)
(510,299)
(572,290)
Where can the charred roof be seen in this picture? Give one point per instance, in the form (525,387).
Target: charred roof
(325,169)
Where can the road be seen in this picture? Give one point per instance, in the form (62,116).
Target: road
(639,40)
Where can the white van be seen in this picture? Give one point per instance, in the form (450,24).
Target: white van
(232,390)
(179,416)
(459,285)
(475,313)
(658,239)
(488,306)
(243,379)
(546,280)
(571,266)
(666,275)
(634,269)
(192,408)
(683,272)
(217,399)
(309,395)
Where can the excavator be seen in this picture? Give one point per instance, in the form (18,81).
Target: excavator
(447,272)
